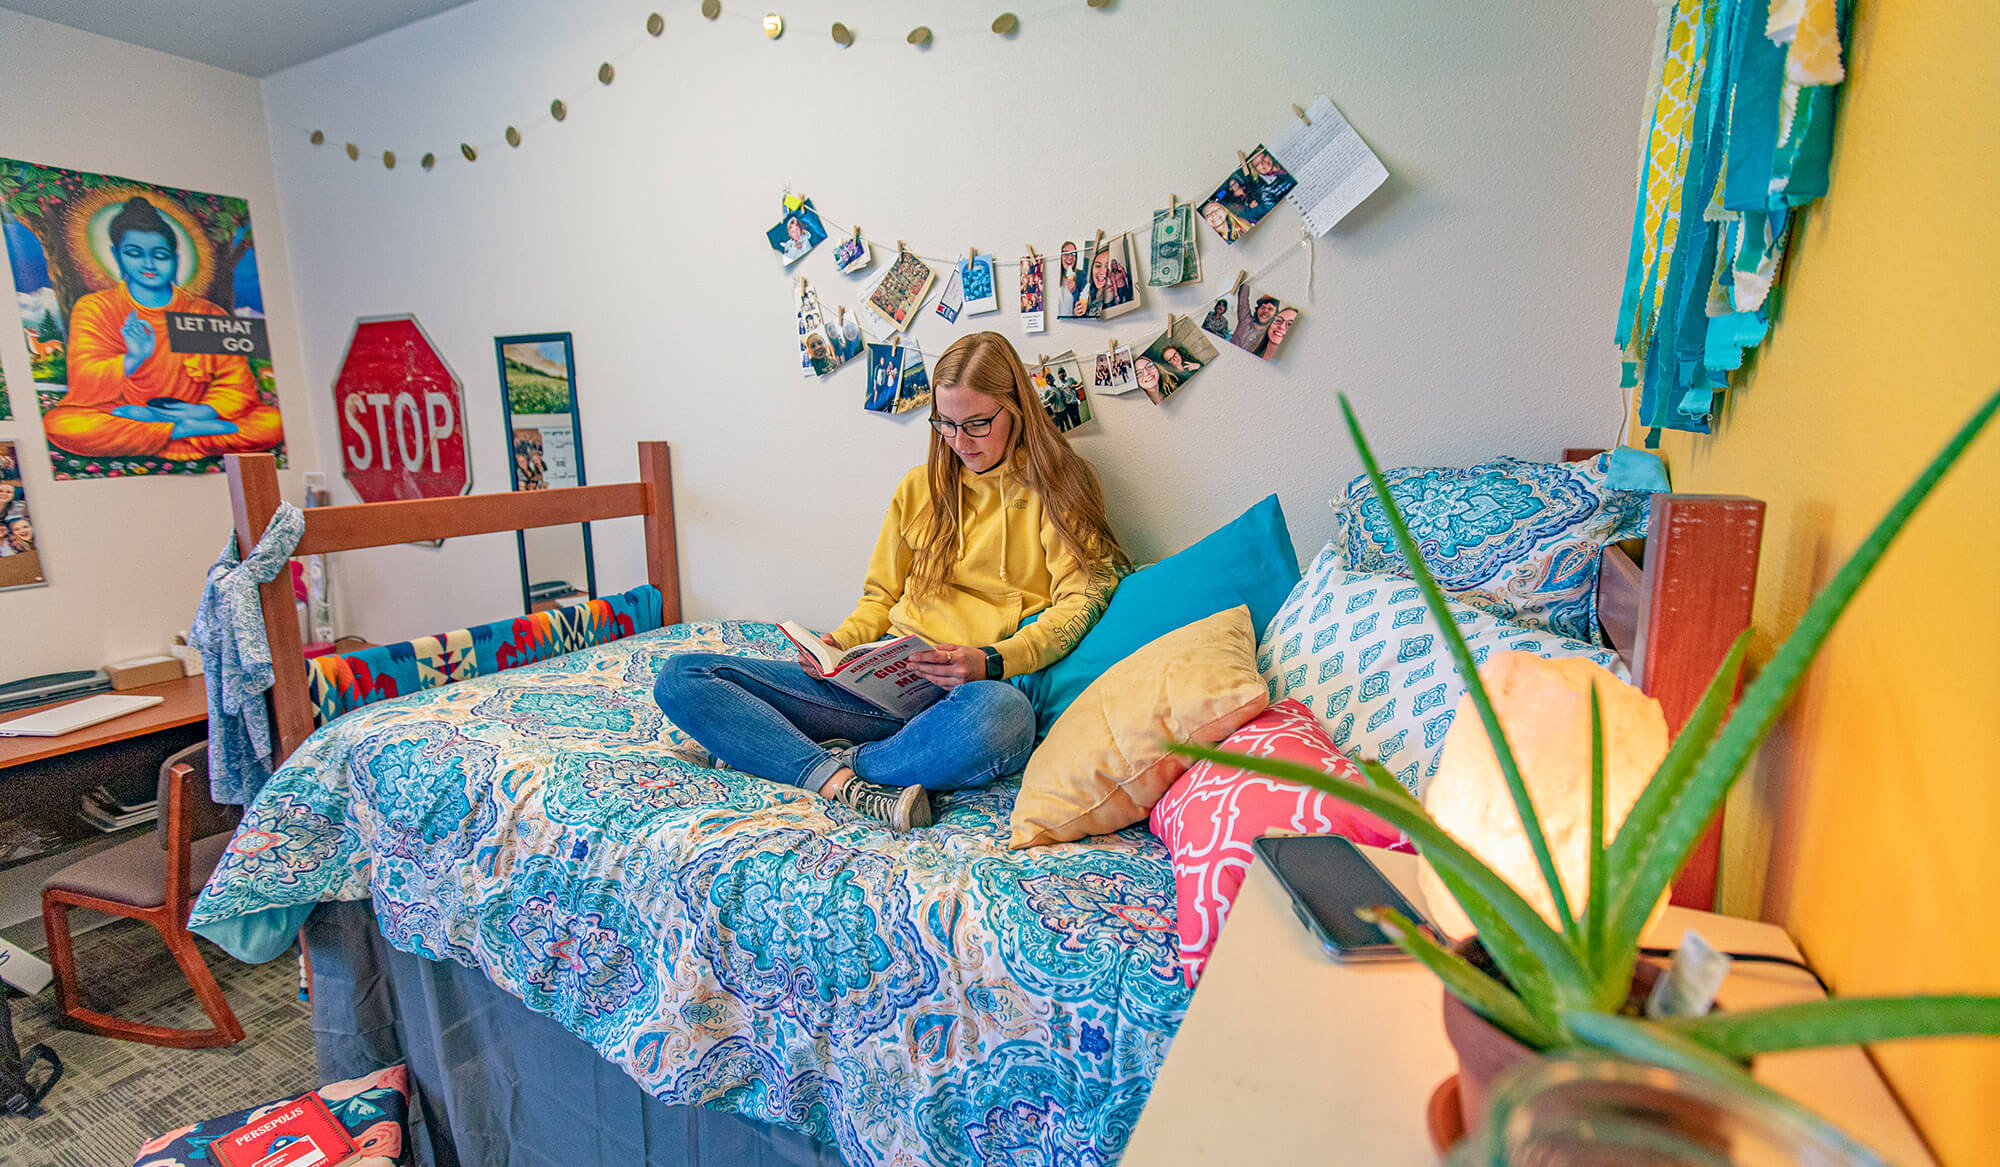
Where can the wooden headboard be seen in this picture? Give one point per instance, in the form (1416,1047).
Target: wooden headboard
(1672,615)
(253,497)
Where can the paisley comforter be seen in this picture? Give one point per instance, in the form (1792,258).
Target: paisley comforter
(929,998)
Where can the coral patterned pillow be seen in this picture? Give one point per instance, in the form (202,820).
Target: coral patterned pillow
(1210,816)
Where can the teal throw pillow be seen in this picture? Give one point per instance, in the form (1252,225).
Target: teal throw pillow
(1250,560)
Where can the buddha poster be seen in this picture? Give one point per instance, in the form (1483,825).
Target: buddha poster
(145,323)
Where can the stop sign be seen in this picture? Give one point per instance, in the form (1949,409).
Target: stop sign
(402,414)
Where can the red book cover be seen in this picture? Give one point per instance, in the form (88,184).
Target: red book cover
(301,1133)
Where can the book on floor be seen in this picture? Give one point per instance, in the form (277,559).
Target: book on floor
(301,1133)
(879,673)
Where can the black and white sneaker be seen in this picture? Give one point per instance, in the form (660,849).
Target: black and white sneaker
(902,807)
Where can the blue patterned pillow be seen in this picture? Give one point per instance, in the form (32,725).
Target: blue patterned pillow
(1362,652)
(1519,539)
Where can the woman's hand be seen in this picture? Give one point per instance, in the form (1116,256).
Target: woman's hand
(806,659)
(950,665)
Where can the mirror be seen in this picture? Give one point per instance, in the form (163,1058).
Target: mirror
(544,427)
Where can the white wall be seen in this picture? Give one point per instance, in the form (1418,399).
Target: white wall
(1467,308)
(126,558)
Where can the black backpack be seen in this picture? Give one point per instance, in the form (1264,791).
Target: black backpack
(18,1093)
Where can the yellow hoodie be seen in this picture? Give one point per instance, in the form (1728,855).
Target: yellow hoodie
(1012,564)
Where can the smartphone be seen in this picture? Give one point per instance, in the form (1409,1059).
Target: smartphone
(1328,878)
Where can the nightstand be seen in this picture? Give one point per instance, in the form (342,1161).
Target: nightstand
(1287,1057)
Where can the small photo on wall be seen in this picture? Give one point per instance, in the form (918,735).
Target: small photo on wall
(1243,198)
(797,233)
(852,255)
(1058,382)
(1112,281)
(982,294)
(20,557)
(1252,320)
(952,300)
(1032,320)
(900,291)
(1172,359)
(897,380)
(1074,298)
(1114,371)
(843,333)
(531,465)
(816,354)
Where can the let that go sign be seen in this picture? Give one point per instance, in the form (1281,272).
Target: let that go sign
(401,413)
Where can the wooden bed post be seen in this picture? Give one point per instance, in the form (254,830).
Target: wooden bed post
(1701,579)
(254,498)
(663,560)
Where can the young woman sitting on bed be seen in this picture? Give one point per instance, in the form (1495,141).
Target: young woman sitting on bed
(1004,522)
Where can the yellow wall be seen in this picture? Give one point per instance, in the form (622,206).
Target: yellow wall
(1871,827)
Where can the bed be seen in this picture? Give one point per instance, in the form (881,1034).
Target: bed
(592,946)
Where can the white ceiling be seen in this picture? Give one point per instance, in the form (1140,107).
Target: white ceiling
(254,37)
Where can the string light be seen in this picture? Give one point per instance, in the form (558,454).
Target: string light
(1007,25)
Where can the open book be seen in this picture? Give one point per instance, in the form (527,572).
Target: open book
(878,673)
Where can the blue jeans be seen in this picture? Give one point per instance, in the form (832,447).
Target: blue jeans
(768,718)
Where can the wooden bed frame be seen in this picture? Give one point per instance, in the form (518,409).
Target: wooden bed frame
(1671,614)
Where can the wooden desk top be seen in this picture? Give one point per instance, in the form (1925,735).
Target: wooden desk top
(1288,1057)
(186,703)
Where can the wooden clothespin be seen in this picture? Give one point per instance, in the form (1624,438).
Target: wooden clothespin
(1173,201)
(901,247)
(1098,244)
(971,253)
(1297,109)
(1243,161)
(1240,277)
(1032,253)
(857,234)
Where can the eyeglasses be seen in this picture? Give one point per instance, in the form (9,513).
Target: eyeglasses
(971,427)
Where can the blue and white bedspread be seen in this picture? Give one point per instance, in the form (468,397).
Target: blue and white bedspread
(929,998)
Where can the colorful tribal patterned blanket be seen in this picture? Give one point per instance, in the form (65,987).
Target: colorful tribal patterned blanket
(929,998)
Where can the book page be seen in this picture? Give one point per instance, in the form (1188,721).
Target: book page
(1335,169)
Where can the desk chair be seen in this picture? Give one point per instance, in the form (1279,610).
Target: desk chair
(153,880)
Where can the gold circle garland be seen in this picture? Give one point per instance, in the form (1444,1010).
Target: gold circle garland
(1006,24)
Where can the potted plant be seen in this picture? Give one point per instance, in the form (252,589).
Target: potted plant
(1566,982)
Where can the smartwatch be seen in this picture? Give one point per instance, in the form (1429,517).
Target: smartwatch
(995,667)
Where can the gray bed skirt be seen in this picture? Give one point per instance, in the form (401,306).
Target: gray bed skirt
(494,1083)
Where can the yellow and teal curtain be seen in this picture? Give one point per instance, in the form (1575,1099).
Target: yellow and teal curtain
(1737,141)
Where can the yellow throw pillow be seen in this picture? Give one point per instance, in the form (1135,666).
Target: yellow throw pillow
(1105,761)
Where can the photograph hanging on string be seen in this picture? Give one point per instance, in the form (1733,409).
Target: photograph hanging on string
(816,355)
(1252,320)
(797,233)
(1058,382)
(1172,359)
(897,379)
(852,254)
(899,292)
(20,559)
(952,300)
(1175,259)
(982,293)
(1074,298)
(843,332)
(1114,371)
(1248,194)
(1032,319)
(1113,277)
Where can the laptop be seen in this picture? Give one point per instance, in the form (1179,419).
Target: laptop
(75,715)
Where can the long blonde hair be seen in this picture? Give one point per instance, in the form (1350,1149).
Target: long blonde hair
(1067,485)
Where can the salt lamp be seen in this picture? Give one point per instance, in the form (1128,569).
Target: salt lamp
(1544,705)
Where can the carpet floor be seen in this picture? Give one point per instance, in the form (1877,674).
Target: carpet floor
(114,1095)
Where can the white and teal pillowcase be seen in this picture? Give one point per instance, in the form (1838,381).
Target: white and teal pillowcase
(1521,540)
(1362,652)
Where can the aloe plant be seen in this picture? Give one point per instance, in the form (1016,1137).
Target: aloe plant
(1565,985)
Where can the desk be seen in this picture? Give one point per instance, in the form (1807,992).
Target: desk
(42,780)
(186,703)
(1288,1057)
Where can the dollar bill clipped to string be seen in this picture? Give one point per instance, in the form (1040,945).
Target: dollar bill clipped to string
(1175,259)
